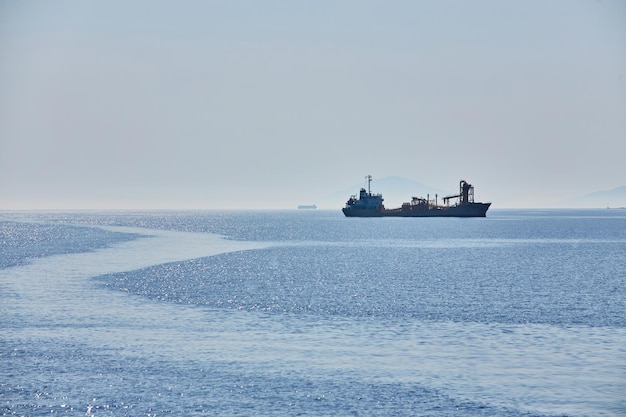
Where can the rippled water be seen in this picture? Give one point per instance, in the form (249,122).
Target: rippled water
(310,313)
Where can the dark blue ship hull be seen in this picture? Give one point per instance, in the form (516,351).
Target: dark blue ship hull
(463,210)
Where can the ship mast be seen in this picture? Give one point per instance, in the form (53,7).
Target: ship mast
(369,181)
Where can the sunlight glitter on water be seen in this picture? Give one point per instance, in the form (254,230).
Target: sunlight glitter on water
(538,368)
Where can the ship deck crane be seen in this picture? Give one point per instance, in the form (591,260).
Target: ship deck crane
(465,195)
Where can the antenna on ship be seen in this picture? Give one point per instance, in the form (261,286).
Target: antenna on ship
(369,181)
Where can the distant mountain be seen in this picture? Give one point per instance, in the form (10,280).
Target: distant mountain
(395,190)
(611,198)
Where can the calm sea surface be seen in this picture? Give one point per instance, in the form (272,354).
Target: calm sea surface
(308,313)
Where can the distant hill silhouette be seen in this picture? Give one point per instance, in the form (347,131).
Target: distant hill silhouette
(395,190)
(615,197)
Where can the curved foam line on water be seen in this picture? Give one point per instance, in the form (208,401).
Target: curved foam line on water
(58,291)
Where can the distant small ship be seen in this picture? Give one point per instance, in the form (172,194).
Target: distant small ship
(371,205)
(307,207)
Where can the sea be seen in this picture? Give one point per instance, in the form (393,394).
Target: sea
(309,313)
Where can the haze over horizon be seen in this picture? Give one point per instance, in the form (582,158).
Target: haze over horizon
(219,104)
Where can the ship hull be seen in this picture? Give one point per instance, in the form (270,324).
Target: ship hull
(463,210)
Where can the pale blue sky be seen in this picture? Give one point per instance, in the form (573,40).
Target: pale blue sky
(249,104)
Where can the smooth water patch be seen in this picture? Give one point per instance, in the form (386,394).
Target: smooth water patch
(45,286)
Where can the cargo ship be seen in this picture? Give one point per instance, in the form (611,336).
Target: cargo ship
(367,204)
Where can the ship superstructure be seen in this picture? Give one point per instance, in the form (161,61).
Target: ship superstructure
(371,205)
(367,204)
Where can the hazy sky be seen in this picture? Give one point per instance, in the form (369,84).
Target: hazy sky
(270,104)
